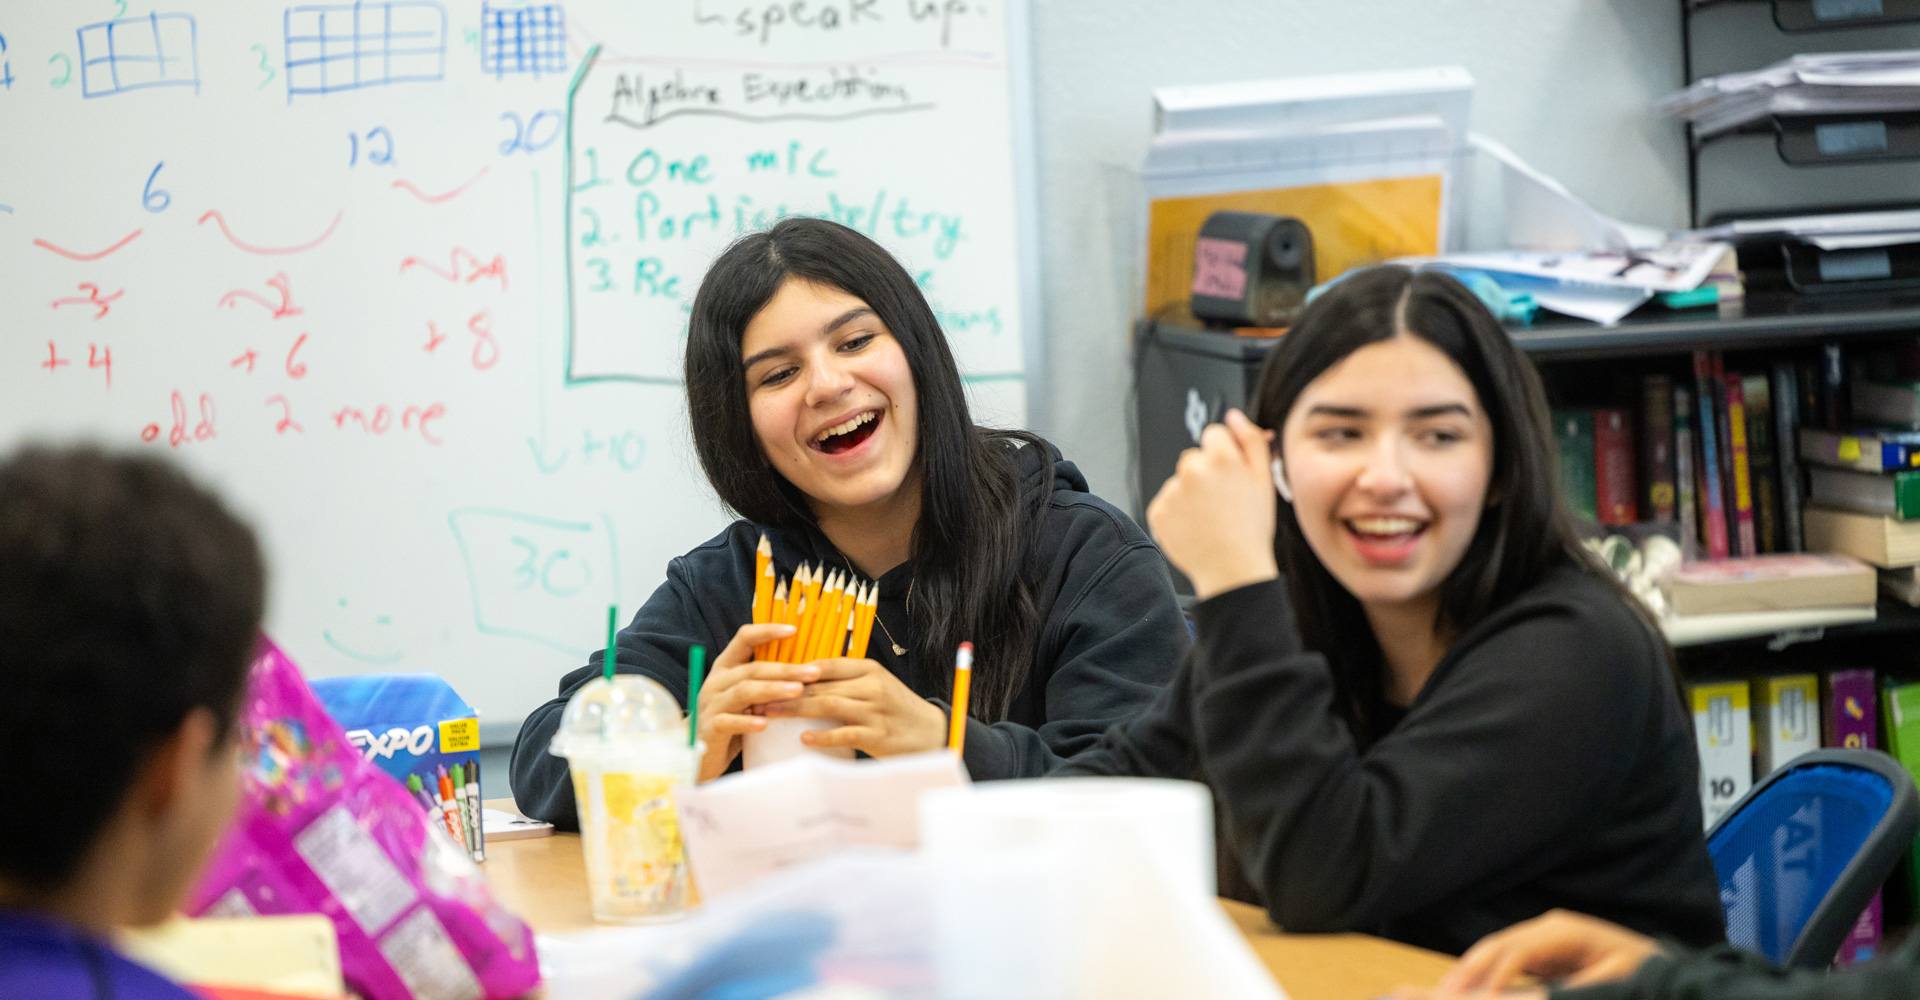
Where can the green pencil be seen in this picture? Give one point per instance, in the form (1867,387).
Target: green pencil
(613,632)
(696,672)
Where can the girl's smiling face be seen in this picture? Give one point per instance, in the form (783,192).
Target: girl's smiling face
(1389,454)
(831,396)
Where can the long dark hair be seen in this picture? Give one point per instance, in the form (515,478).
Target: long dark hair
(975,528)
(1524,531)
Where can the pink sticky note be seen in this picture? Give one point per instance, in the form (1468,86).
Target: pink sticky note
(1219,268)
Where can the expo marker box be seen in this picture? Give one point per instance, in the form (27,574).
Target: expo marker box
(409,725)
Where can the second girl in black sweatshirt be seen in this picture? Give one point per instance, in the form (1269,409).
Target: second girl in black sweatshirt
(1442,718)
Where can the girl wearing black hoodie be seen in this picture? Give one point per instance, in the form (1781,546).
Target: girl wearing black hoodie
(1422,709)
(828,412)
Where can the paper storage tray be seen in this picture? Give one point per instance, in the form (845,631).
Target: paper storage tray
(1733,36)
(1809,166)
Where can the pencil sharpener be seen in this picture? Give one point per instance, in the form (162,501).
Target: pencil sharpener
(1251,269)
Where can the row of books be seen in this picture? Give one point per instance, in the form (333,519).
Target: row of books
(1729,462)
(1747,730)
(1716,456)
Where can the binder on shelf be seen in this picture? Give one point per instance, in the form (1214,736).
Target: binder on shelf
(1723,733)
(1789,720)
(1851,719)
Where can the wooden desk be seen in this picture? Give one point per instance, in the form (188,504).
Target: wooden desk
(544,880)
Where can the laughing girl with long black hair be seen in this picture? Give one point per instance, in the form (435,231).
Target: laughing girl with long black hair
(828,412)
(1424,711)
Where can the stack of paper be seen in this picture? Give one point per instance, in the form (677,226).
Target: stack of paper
(1368,161)
(1573,260)
(1821,83)
(1839,231)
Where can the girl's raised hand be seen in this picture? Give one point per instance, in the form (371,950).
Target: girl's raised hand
(1214,518)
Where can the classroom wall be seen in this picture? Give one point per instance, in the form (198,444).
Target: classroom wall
(1567,84)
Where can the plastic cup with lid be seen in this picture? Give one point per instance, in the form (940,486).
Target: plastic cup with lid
(625,740)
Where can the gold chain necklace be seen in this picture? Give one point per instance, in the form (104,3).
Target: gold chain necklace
(898,650)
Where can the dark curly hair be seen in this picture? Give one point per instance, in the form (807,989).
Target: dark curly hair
(128,597)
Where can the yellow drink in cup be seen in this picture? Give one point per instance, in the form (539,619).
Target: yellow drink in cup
(625,742)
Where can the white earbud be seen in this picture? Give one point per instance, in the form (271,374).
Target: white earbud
(1280,480)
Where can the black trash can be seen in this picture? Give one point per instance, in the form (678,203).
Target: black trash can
(1185,379)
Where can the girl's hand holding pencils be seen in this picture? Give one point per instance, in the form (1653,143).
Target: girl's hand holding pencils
(828,619)
(832,619)
(736,684)
(881,715)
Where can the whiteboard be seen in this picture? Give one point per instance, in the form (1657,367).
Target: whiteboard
(408,281)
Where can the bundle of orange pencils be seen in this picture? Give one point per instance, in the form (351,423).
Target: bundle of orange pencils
(832,611)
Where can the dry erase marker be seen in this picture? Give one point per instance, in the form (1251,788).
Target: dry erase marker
(473,810)
(962,681)
(420,793)
(447,811)
(460,804)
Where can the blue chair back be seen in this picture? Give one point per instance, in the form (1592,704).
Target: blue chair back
(1801,855)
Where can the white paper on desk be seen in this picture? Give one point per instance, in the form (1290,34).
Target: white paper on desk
(746,826)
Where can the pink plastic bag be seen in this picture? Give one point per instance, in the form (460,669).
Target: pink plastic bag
(319,830)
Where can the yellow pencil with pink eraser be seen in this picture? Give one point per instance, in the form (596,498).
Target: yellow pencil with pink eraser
(962,686)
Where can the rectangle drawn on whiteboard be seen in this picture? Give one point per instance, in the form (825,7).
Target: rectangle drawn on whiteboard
(332,47)
(523,40)
(535,578)
(159,50)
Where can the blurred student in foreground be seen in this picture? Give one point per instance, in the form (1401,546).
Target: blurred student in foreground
(130,600)
(1590,959)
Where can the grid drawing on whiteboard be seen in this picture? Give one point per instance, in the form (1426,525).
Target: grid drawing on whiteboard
(158,50)
(333,47)
(523,40)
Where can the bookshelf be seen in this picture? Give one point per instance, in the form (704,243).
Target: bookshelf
(1763,320)
(1177,365)
(1778,626)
